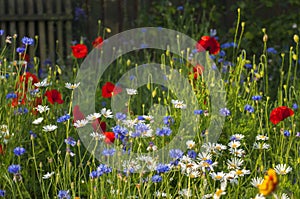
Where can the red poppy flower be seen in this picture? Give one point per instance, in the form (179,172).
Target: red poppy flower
(97,43)
(78,115)
(208,43)
(54,96)
(79,50)
(25,57)
(280,113)
(25,78)
(19,100)
(1,150)
(109,137)
(109,89)
(198,70)
(97,124)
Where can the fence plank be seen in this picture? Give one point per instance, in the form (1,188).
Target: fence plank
(59,29)
(12,11)
(21,24)
(50,30)
(42,32)
(68,31)
(3,23)
(31,24)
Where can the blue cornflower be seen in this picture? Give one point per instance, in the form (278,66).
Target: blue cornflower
(272,50)
(192,154)
(120,116)
(94,174)
(27,41)
(156,178)
(249,66)
(2,193)
(14,168)
(47,62)
(21,110)
(79,12)
(168,120)
(64,194)
(63,118)
(102,169)
(164,131)
(18,151)
(222,53)
(162,168)
(108,152)
(140,117)
(11,96)
(256,97)
(1,32)
(295,106)
(103,103)
(175,153)
(198,112)
(132,77)
(224,112)
(142,127)
(120,132)
(228,45)
(249,108)
(143,30)
(20,49)
(180,8)
(34,91)
(220,60)
(71,141)
(286,133)
(31,133)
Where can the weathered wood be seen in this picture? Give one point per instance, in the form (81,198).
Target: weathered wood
(3,23)
(42,32)
(21,24)
(31,24)
(68,31)
(35,17)
(12,11)
(51,33)
(59,24)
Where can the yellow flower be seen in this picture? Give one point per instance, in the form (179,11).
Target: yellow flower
(269,183)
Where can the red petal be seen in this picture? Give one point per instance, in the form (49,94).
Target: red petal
(109,137)
(280,113)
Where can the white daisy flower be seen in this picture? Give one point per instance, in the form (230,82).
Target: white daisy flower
(282,169)
(234,163)
(190,144)
(234,144)
(81,123)
(220,147)
(259,196)
(43,83)
(48,175)
(131,91)
(237,152)
(107,113)
(284,196)
(261,137)
(38,120)
(232,178)
(49,128)
(185,192)
(204,156)
(72,86)
(238,137)
(260,145)
(220,191)
(178,104)
(218,176)
(255,182)
(241,172)
(209,147)
(4,133)
(93,116)
(97,136)
(41,108)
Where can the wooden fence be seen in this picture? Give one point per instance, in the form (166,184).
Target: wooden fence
(51,20)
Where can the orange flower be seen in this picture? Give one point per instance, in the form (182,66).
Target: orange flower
(269,183)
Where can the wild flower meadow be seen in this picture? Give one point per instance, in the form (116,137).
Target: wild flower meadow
(256,155)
